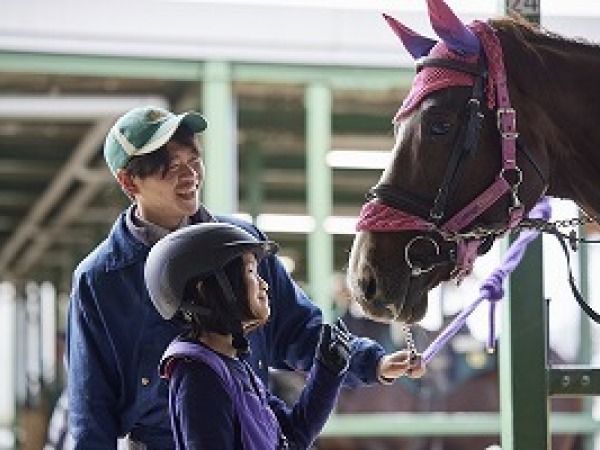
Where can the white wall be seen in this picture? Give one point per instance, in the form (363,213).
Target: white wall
(257,31)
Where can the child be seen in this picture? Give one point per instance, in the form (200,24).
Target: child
(205,278)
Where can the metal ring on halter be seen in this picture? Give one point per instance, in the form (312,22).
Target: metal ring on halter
(416,270)
(519,173)
(514,188)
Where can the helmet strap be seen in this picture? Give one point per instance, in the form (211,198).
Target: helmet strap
(240,343)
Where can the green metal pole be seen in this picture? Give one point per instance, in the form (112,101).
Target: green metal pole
(318,181)
(220,153)
(254,188)
(524,402)
(584,352)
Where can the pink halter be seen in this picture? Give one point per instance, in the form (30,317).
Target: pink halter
(375,216)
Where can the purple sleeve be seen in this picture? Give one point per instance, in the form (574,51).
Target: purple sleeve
(202,414)
(305,420)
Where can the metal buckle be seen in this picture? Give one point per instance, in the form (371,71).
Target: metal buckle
(512,116)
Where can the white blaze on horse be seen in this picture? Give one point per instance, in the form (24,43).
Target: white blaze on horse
(500,114)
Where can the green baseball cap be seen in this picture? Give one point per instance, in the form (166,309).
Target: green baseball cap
(144,130)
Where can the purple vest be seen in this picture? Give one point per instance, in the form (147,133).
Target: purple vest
(259,427)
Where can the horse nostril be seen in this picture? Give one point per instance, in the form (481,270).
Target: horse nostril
(369,287)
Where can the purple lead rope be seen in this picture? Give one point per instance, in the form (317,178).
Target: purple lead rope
(492,288)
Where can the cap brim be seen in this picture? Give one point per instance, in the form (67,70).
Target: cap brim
(193,120)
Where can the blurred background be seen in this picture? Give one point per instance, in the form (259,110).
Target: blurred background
(299,96)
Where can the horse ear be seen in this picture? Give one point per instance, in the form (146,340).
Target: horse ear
(414,43)
(452,31)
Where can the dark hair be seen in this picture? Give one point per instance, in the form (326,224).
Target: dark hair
(211,297)
(158,161)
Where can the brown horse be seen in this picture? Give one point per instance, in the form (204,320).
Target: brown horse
(500,114)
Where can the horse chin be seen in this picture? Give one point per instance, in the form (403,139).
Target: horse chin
(384,310)
(415,308)
(386,292)
(402,299)
(414,305)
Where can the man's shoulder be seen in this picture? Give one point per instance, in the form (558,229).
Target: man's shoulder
(96,259)
(115,247)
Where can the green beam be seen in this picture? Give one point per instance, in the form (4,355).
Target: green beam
(338,77)
(296,161)
(101,66)
(220,151)
(318,183)
(444,424)
(293,121)
(254,194)
(253,190)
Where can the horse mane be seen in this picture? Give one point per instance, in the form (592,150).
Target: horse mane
(528,32)
(553,81)
(542,52)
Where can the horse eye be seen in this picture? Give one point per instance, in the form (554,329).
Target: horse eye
(440,128)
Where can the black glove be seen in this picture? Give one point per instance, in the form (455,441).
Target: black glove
(335,347)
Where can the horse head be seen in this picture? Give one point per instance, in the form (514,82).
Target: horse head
(456,180)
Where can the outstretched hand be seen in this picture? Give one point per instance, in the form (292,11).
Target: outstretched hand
(335,347)
(400,363)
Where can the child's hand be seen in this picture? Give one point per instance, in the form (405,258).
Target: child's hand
(335,347)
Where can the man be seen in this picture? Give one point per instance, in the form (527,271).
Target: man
(116,337)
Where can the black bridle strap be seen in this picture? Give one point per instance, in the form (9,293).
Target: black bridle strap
(523,149)
(582,303)
(465,146)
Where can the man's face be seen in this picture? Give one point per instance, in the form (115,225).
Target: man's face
(165,198)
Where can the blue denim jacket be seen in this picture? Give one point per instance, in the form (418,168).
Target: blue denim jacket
(115,339)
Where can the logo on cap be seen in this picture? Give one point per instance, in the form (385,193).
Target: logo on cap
(155,115)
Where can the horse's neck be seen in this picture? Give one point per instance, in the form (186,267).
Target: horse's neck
(561,111)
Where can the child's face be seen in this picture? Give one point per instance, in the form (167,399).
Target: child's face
(257,288)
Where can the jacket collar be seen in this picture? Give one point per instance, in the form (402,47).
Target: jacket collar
(124,244)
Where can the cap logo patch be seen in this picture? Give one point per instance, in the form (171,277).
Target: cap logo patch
(155,115)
